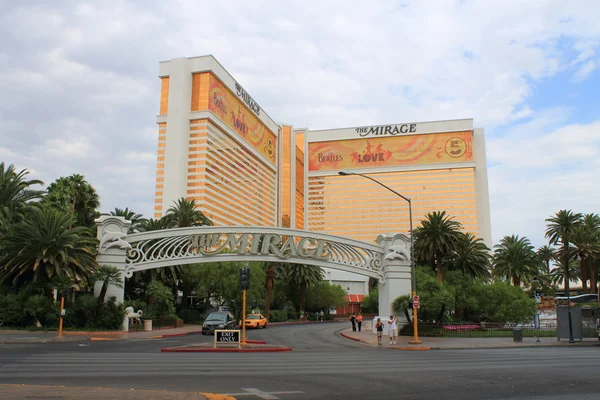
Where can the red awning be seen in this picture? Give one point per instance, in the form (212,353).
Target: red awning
(354,298)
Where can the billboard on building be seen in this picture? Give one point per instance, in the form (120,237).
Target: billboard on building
(389,151)
(209,93)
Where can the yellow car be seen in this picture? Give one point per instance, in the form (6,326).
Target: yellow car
(256,321)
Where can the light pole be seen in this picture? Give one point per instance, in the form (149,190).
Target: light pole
(412,258)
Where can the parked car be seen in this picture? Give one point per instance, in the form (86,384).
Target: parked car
(218,320)
(255,321)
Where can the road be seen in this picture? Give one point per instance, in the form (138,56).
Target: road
(322,365)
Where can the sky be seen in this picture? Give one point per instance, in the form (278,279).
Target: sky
(80,87)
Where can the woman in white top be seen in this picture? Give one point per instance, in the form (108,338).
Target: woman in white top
(393,322)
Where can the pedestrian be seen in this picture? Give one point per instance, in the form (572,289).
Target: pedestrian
(393,323)
(316,316)
(379,328)
(359,321)
(322,315)
(353,321)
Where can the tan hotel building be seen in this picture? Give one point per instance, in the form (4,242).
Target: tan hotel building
(218,146)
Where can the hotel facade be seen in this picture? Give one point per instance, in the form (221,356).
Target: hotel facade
(216,145)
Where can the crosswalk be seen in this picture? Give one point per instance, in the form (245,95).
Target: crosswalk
(89,364)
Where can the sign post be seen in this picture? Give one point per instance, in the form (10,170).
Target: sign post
(416,302)
(243,317)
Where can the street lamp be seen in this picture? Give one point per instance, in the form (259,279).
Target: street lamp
(412,258)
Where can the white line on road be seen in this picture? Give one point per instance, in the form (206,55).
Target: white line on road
(261,394)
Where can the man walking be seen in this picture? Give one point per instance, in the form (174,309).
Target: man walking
(353,321)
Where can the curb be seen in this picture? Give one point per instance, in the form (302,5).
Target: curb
(94,333)
(33,341)
(177,334)
(352,338)
(411,348)
(483,347)
(226,350)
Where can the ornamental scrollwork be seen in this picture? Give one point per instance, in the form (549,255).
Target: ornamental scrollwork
(202,244)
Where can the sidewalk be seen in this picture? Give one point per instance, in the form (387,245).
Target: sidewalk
(447,343)
(19,336)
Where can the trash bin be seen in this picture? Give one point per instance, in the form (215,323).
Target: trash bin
(517,335)
(147,324)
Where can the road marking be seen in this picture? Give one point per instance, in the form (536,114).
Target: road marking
(261,394)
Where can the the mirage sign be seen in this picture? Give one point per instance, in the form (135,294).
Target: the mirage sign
(260,244)
(384,130)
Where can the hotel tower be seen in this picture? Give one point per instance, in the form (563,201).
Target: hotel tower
(218,146)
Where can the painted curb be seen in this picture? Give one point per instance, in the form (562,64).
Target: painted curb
(352,338)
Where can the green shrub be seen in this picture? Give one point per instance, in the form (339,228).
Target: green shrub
(40,308)
(278,315)
(191,316)
(370,303)
(82,312)
(162,304)
(110,316)
(12,312)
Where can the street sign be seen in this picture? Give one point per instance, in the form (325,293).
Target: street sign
(416,302)
(224,336)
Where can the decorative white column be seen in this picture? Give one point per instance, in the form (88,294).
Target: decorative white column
(396,270)
(112,232)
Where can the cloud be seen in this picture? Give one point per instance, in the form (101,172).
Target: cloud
(534,176)
(585,70)
(80,87)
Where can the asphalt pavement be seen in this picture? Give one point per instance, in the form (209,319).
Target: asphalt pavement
(323,365)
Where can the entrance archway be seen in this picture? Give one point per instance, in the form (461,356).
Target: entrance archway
(388,260)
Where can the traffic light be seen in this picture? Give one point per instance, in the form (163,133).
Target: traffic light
(245,278)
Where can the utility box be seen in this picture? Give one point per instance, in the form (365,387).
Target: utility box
(562,322)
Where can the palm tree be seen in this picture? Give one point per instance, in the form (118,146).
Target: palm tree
(471,256)
(75,195)
(185,213)
(129,215)
(108,275)
(15,193)
(558,275)
(559,229)
(436,237)
(273,269)
(592,223)
(546,254)
(62,284)
(302,277)
(43,246)
(587,244)
(515,259)
(151,224)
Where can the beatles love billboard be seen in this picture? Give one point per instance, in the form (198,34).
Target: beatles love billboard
(435,148)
